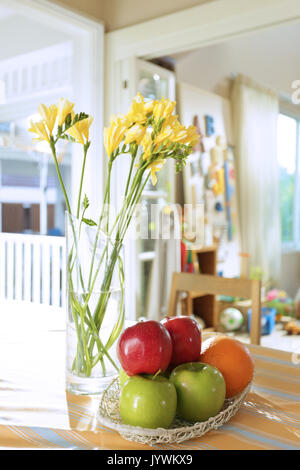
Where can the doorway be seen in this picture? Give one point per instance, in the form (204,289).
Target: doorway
(199,27)
(51,53)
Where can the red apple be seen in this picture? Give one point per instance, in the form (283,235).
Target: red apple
(186,339)
(145,348)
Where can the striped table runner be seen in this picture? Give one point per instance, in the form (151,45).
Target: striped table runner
(269,419)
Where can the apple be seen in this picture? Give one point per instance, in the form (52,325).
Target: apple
(122,377)
(200,390)
(149,402)
(186,339)
(145,348)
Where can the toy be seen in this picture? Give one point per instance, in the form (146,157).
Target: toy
(189,262)
(209,125)
(216,168)
(218,207)
(279,300)
(276,294)
(231,319)
(267,320)
(292,328)
(228,195)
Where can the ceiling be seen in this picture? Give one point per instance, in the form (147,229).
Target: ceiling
(270,57)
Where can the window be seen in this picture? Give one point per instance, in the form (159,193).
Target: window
(31,199)
(288,159)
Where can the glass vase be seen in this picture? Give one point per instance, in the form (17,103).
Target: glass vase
(95,306)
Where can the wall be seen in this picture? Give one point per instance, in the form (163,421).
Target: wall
(192,101)
(30,36)
(270,57)
(121,13)
(290,273)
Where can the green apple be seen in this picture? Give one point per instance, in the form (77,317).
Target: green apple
(200,390)
(149,402)
(122,377)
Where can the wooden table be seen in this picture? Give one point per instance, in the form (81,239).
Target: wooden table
(37,413)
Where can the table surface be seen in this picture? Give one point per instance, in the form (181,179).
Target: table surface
(37,412)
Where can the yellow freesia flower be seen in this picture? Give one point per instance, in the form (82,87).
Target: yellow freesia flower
(114,134)
(135,134)
(163,109)
(187,136)
(154,168)
(85,126)
(80,130)
(146,144)
(138,111)
(169,130)
(64,108)
(149,105)
(49,115)
(39,128)
(166,134)
(172,121)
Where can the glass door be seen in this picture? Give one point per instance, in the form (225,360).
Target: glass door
(153,82)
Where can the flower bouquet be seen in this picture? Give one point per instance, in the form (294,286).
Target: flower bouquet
(149,135)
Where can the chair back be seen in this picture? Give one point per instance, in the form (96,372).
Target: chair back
(216,285)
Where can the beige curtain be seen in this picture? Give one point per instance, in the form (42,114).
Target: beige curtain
(255,114)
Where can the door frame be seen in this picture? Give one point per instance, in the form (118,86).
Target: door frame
(186,30)
(88,38)
(190,29)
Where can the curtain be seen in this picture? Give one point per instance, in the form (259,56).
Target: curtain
(255,114)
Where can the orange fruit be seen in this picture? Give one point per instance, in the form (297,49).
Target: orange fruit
(233,360)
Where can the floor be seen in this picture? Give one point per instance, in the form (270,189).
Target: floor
(278,339)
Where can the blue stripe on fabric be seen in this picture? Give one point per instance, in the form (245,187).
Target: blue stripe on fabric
(260,438)
(24,435)
(276,361)
(284,378)
(87,420)
(275,418)
(54,438)
(195,445)
(287,396)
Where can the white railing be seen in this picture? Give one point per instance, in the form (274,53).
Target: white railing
(36,72)
(32,269)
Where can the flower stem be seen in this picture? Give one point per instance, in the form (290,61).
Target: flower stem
(52,145)
(85,150)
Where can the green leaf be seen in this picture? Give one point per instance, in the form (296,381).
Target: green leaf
(68,120)
(89,222)
(85,202)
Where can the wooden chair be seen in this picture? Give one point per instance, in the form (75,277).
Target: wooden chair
(216,285)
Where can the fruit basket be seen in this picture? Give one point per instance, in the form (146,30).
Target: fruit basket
(179,431)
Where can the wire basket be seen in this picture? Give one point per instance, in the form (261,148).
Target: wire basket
(179,431)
